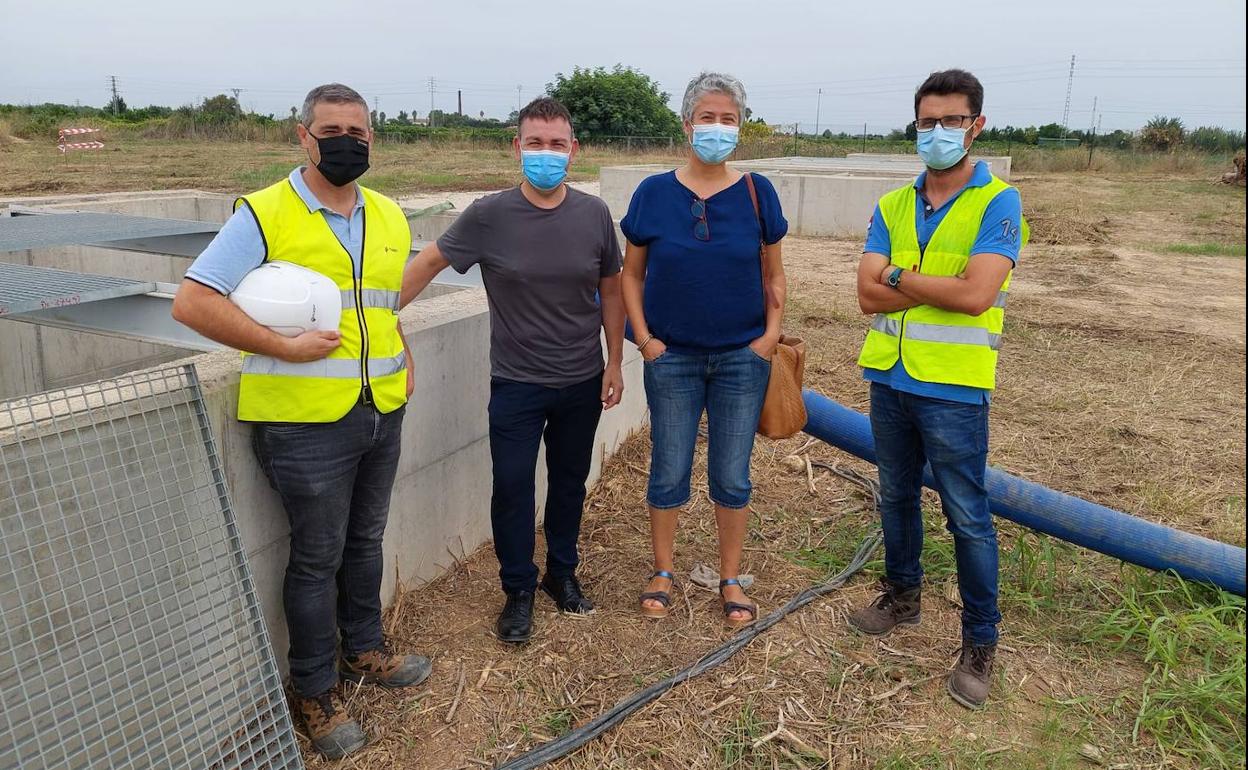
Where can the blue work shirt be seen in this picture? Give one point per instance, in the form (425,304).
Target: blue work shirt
(703,296)
(998,234)
(239,247)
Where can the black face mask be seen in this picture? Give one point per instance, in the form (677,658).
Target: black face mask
(344,158)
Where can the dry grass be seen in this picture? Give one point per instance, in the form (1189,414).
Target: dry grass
(36,168)
(1117,386)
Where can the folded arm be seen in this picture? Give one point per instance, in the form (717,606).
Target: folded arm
(875,296)
(972,292)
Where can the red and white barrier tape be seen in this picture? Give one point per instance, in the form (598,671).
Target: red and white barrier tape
(80,146)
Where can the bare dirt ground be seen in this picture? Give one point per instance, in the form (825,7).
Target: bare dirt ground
(1122,381)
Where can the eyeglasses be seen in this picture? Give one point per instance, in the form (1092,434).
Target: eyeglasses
(701,228)
(947,121)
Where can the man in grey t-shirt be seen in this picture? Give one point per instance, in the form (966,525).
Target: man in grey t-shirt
(551,263)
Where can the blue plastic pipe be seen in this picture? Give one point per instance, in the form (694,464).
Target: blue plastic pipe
(1063,516)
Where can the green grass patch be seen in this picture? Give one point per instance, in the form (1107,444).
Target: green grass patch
(1206,249)
(735,748)
(557,722)
(1192,636)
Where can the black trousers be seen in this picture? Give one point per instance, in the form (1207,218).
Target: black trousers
(521,415)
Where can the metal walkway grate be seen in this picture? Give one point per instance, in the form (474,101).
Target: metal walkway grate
(33,231)
(24,288)
(130,630)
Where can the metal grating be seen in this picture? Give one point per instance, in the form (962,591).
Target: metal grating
(24,288)
(130,630)
(33,231)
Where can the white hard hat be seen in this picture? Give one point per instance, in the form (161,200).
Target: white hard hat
(289,299)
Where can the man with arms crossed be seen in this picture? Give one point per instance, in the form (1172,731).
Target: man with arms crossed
(327,407)
(550,261)
(935,272)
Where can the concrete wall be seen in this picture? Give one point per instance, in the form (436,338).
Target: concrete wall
(814,204)
(441,502)
(1001,165)
(820,196)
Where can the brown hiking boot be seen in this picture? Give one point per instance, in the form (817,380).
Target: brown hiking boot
(972,677)
(384,667)
(332,732)
(890,609)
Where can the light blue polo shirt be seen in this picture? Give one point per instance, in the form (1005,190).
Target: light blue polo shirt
(998,234)
(239,247)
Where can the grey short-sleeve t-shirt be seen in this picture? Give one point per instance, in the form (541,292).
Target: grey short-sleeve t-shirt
(541,269)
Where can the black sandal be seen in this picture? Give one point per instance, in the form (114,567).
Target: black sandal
(662,597)
(731,607)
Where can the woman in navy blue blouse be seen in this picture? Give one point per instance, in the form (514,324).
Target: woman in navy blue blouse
(693,286)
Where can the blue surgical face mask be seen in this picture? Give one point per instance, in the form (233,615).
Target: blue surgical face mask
(545,169)
(942,148)
(714,142)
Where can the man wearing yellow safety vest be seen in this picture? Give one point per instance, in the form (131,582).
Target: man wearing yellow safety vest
(935,273)
(327,406)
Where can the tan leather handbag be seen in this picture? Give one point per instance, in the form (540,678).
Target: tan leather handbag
(784,412)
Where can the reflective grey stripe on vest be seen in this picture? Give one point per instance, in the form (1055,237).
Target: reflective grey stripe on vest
(337,368)
(1001,295)
(885,325)
(961,335)
(372,298)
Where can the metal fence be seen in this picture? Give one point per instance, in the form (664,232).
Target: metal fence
(130,630)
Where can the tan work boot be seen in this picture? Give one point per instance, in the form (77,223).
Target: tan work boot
(384,667)
(332,732)
(972,677)
(890,609)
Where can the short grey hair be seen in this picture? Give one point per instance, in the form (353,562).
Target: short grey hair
(712,83)
(333,93)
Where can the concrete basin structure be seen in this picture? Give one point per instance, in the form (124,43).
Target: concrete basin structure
(441,500)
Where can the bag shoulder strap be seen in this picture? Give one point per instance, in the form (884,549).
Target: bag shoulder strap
(762,243)
(749,183)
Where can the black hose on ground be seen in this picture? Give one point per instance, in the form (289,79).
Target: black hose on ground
(574,739)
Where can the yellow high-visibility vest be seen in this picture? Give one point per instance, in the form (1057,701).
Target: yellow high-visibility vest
(939,345)
(369,361)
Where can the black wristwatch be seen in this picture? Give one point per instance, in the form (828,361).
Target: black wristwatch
(894,278)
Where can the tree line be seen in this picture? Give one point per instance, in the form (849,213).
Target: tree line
(607,104)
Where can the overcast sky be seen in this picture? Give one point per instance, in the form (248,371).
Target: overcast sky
(1140,57)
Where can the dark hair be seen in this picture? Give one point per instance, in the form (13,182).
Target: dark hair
(948,82)
(332,93)
(544,108)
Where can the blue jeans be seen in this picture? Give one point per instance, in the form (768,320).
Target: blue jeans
(521,415)
(910,430)
(334,480)
(730,388)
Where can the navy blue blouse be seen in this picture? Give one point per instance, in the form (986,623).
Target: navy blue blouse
(703,296)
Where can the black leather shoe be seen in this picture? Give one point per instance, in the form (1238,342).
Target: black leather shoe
(515,624)
(566,591)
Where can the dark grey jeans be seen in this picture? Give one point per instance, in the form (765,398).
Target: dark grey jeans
(334,480)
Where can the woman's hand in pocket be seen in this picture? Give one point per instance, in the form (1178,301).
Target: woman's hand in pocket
(765,347)
(653,349)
